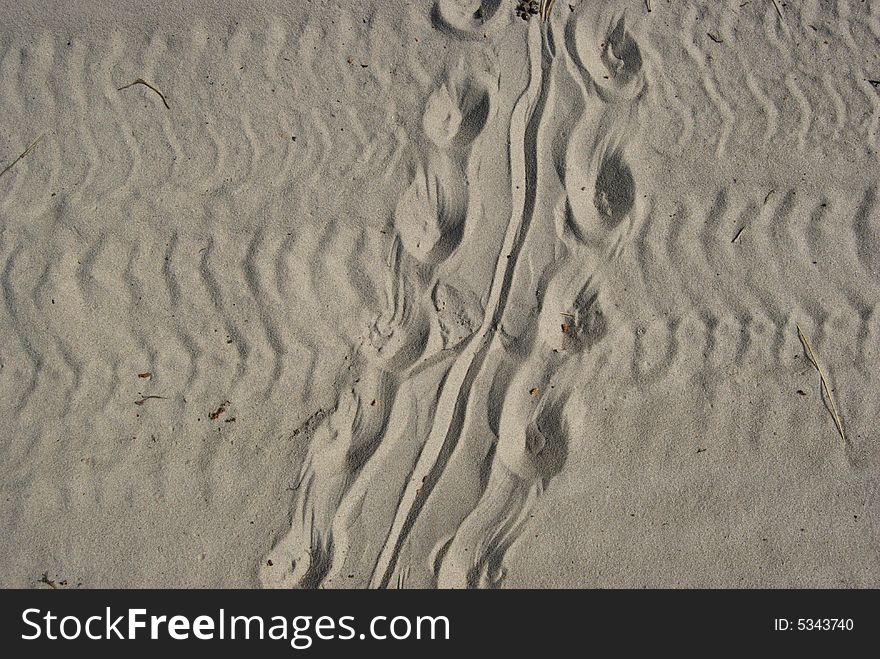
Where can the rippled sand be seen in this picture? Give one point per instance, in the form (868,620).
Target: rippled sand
(386,294)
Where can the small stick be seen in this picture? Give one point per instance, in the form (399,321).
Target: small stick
(778,10)
(46,580)
(648,5)
(714,38)
(738,234)
(824,388)
(144,399)
(141,81)
(26,151)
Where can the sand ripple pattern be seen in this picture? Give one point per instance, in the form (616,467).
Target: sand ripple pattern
(426,300)
(159,265)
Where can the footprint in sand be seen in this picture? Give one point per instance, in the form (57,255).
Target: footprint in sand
(615,189)
(459,314)
(429,223)
(430,216)
(532,442)
(431,213)
(609,62)
(606,52)
(349,436)
(465,19)
(533,437)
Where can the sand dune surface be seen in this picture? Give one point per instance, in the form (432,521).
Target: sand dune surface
(431,294)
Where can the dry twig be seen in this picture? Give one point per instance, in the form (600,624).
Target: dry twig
(778,10)
(26,151)
(141,81)
(824,388)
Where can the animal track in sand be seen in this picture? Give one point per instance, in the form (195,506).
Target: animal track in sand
(615,189)
(456,113)
(348,437)
(532,438)
(608,54)
(532,441)
(430,215)
(397,337)
(459,314)
(339,446)
(612,81)
(533,452)
(429,224)
(464,19)
(579,327)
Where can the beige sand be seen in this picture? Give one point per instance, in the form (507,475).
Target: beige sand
(416,294)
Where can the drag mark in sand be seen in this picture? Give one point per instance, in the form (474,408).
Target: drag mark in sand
(446,430)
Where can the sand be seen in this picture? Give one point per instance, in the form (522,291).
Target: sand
(423,294)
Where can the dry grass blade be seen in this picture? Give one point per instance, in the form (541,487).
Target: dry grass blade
(546,7)
(778,10)
(824,388)
(26,151)
(141,81)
